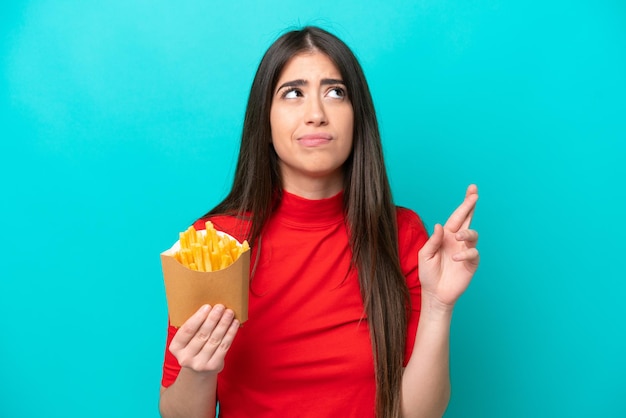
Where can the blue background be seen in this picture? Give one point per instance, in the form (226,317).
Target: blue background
(120,123)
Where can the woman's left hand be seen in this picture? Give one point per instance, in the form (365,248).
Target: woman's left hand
(449,259)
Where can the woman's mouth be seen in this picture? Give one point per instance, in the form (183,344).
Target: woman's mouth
(313,140)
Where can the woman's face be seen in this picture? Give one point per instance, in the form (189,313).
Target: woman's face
(312,121)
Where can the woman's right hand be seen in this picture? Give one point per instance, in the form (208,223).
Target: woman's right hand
(202,342)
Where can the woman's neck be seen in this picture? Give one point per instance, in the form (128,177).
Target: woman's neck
(314,188)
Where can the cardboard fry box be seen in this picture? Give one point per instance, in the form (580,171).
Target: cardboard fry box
(187,290)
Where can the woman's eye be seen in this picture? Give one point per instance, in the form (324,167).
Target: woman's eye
(337,93)
(291,94)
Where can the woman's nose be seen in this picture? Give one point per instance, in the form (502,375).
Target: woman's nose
(315,112)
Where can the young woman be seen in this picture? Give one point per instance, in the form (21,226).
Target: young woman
(341,321)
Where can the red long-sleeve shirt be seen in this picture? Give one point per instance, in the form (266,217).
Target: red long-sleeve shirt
(305,350)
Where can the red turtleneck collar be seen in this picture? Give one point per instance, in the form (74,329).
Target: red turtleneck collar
(297,210)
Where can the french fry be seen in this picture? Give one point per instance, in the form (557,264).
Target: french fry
(227,260)
(213,236)
(207,250)
(234,252)
(189,237)
(184,242)
(216,260)
(183,257)
(196,249)
(206,255)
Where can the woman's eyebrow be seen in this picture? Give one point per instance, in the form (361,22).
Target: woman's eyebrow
(327,81)
(293,83)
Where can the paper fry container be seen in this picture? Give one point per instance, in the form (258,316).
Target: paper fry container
(187,290)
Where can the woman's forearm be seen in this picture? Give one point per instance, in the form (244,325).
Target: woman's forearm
(426,379)
(192,395)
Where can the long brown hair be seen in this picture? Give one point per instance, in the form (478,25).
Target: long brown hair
(369,209)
